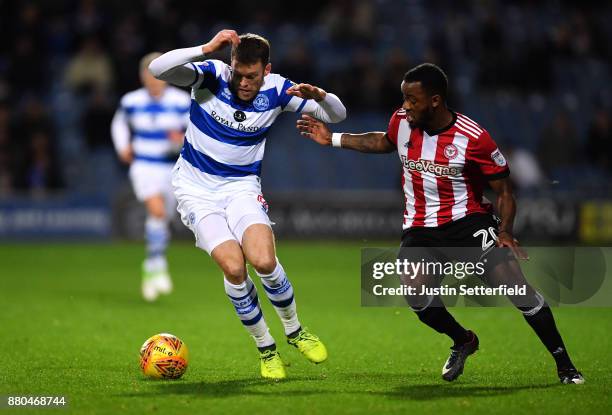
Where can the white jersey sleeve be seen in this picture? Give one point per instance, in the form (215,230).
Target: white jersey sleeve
(120,130)
(331,109)
(176,66)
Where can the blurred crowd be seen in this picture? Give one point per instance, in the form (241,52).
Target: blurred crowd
(535,73)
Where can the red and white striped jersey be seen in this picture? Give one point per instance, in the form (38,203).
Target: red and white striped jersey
(444,174)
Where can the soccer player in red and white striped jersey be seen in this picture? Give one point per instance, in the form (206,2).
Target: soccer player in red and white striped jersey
(448,159)
(445,170)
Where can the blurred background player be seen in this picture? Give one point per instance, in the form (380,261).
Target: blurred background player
(447,158)
(147,130)
(217,177)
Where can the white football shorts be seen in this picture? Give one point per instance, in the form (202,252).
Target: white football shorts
(150,179)
(215,217)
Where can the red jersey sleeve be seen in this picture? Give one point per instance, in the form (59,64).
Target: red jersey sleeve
(393,127)
(487,156)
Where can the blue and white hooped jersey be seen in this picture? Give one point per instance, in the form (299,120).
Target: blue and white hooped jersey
(150,121)
(226,137)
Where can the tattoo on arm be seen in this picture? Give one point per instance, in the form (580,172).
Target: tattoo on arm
(375,142)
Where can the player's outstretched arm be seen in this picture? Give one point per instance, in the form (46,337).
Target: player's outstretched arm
(174,67)
(321,105)
(374,142)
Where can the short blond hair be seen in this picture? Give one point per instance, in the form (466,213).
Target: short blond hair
(146,60)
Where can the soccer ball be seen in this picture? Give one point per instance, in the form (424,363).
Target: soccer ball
(164,356)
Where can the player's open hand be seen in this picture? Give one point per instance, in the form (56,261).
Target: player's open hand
(506,240)
(220,40)
(307,91)
(314,129)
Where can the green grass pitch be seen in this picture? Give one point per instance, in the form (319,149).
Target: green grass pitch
(72,322)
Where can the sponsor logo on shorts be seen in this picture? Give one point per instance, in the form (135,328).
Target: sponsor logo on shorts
(428,166)
(264,204)
(192,218)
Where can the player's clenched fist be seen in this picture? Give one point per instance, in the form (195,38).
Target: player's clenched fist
(220,40)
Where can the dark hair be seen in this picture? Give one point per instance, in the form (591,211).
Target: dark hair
(252,49)
(432,79)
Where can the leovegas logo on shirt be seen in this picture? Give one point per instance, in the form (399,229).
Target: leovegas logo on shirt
(428,166)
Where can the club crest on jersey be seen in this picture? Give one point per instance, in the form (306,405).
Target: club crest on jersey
(261,102)
(239,116)
(498,158)
(450,151)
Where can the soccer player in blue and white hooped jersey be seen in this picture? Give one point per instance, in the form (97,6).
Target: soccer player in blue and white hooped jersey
(216,179)
(147,130)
